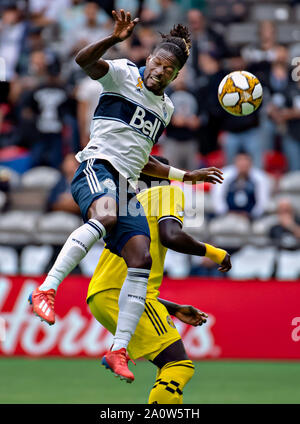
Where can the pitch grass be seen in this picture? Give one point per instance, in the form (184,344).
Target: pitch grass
(85,381)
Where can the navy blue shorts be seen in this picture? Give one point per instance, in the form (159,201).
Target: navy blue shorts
(95,178)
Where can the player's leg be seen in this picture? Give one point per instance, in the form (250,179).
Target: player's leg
(104,307)
(133,293)
(74,250)
(131,302)
(175,370)
(99,210)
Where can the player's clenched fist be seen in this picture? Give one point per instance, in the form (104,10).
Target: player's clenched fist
(123,24)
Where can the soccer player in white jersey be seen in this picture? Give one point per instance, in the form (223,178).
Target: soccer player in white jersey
(131,115)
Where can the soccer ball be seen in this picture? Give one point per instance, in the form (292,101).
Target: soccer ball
(240,93)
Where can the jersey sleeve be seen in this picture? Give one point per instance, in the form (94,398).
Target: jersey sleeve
(117,73)
(171,204)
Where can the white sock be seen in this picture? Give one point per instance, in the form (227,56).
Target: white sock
(131,305)
(74,250)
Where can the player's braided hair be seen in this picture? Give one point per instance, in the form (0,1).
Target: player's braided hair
(177,42)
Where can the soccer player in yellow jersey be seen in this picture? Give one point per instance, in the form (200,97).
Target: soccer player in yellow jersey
(156,337)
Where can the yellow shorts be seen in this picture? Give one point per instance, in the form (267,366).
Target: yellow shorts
(154,332)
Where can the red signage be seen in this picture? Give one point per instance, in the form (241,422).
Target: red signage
(247,319)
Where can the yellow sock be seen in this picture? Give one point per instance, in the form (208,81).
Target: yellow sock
(170,381)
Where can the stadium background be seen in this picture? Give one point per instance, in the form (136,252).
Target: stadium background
(249,350)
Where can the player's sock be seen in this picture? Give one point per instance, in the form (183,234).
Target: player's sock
(131,305)
(74,250)
(170,382)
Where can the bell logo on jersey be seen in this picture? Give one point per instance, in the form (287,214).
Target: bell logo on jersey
(147,127)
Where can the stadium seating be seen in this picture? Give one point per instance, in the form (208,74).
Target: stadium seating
(241,33)
(32,192)
(274,12)
(8,260)
(89,262)
(55,227)
(288,267)
(290,183)
(260,230)
(34,259)
(3,199)
(17,227)
(14,177)
(253,262)
(40,177)
(177,265)
(230,231)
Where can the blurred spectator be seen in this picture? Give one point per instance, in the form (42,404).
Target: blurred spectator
(35,42)
(260,56)
(12,37)
(245,189)
(5,187)
(275,84)
(202,266)
(242,133)
(73,17)
(89,31)
(35,76)
(193,4)
(147,10)
(107,5)
(287,117)
(286,233)
(87,95)
(138,47)
(181,145)
(205,86)
(43,111)
(7,121)
(204,38)
(228,11)
(265,50)
(60,198)
(150,11)
(45,12)
(171,13)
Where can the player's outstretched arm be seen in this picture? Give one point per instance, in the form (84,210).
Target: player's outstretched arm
(186,313)
(89,58)
(173,237)
(157,169)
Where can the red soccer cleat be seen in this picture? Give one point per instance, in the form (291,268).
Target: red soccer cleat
(117,362)
(43,304)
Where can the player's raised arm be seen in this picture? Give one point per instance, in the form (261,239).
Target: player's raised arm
(89,58)
(173,237)
(157,169)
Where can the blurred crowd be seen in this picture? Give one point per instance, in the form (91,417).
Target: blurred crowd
(46,100)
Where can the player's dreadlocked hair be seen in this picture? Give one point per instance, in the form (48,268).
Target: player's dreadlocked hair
(177,42)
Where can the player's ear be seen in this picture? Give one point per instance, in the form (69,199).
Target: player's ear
(148,59)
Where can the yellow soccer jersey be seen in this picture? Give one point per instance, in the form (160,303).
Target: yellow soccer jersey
(159,203)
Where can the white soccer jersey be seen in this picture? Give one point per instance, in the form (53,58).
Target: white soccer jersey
(128,120)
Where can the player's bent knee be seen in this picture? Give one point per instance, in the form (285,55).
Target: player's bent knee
(143,261)
(104,210)
(107,221)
